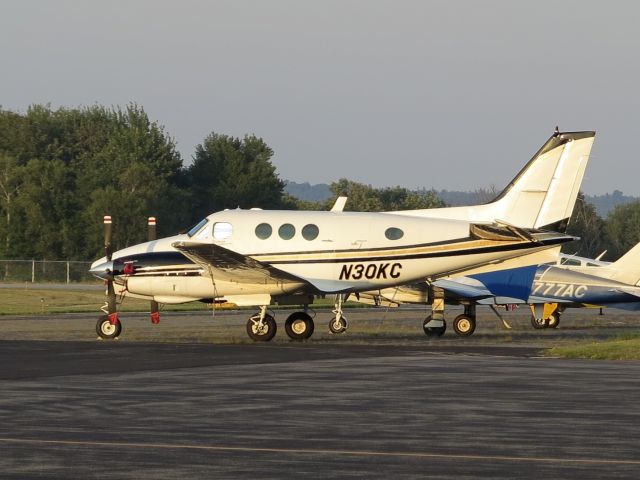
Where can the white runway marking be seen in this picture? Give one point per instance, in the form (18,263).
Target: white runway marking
(320,451)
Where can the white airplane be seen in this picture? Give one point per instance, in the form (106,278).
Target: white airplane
(257,257)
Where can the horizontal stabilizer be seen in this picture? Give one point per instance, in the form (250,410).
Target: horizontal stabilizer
(630,291)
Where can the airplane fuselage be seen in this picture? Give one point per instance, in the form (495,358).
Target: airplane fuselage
(327,252)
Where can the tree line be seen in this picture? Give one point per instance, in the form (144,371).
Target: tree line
(62,169)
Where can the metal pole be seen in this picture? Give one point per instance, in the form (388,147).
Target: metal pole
(33,271)
(68,273)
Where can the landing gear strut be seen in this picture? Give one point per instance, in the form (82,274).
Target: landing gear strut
(435,325)
(338,323)
(262,326)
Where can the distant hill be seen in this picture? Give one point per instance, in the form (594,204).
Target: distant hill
(306,191)
(320,192)
(605,203)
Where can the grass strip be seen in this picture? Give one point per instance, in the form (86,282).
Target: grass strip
(625,347)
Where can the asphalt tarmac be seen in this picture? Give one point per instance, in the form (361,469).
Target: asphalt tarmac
(378,405)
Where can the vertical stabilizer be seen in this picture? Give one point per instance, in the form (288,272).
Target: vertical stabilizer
(626,269)
(544,193)
(541,196)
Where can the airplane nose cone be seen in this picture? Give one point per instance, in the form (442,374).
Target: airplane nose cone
(102,270)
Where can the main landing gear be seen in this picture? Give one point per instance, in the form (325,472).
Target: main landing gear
(262,326)
(545,316)
(465,324)
(435,325)
(299,325)
(551,322)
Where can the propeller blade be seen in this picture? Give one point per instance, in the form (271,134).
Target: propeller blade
(107,237)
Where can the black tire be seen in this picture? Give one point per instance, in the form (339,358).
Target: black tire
(538,324)
(106,330)
(433,331)
(268,330)
(338,324)
(464,325)
(299,326)
(554,320)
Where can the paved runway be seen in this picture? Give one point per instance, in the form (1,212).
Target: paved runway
(138,410)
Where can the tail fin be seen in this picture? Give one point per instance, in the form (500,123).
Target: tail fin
(544,193)
(541,196)
(626,269)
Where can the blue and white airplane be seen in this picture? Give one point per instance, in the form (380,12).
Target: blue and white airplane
(548,288)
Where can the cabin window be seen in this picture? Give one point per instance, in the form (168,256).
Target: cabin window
(310,232)
(393,233)
(263,231)
(572,261)
(222,230)
(287,231)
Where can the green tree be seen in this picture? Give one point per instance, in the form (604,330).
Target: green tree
(11,178)
(229,172)
(623,228)
(586,224)
(365,198)
(76,165)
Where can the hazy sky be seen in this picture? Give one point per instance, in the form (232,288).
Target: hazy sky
(444,94)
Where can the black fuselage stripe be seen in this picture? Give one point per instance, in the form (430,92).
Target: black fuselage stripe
(455,253)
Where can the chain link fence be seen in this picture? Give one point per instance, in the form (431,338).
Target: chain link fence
(45,271)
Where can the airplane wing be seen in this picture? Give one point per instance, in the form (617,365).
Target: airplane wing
(463,290)
(225,264)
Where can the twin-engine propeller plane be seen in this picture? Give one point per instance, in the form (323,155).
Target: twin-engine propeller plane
(257,257)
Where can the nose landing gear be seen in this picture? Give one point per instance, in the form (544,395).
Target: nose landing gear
(338,323)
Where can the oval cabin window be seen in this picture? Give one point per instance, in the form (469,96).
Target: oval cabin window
(263,231)
(393,233)
(287,231)
(310,232)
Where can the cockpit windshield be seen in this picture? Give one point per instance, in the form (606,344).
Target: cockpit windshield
(196,228)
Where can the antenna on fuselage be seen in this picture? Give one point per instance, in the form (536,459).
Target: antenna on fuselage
(339,205)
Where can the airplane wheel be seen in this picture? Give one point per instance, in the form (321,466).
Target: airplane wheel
(264,334)
(554,320)
(538,323)
(338,324)
(299,326)
(106,330)
(434,331)
(464,325)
